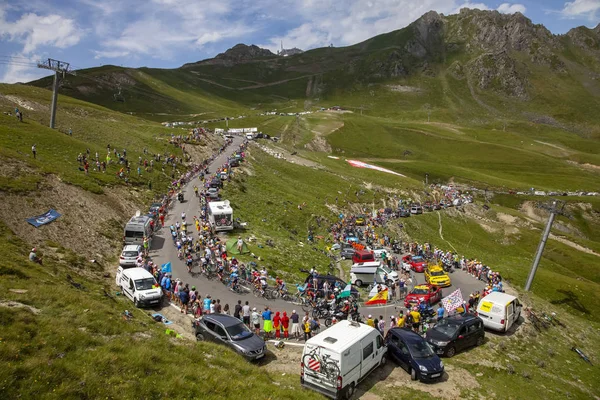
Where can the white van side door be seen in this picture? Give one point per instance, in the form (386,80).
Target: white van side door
(128,287)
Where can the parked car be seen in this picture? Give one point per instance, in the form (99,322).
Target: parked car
(129,255)
(347,253)
(231,332)
(414,355)
(154,207)
(428,293)
(378,252)
(416,263)
(361,256)
(455,333)
(499,311)
(213,193)
(234,162)
(435,275)
(360,220)
(336,360)
(139,286)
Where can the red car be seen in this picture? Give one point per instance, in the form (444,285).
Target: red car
(428,293)
(417,263)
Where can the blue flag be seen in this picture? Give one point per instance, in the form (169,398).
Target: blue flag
(166,267)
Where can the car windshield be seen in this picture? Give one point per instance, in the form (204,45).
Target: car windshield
(144,284)
(419,290)
(437,273)
(130,254)
(421,349)
(446,328)
(238,331)
(417,259)
(386,269)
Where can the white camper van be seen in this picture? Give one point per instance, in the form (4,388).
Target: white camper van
(499,311)
(136,229)
(139,286)
(220,215)
(337,359)
(368,272)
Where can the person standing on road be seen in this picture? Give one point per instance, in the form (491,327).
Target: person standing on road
(255,318)
(267,322)
(285,324)
(306,326)
(184,297)
(295,325)
(206,304)
(218,306)
(381,325)
(401,319)
(370,321)
(246,314)
(277,325)
(440,312)
(237,310)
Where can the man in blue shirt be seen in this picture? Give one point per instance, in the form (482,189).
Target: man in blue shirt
(440,312)
(206,304)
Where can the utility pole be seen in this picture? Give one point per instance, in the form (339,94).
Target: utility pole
(59,68)
(553,211)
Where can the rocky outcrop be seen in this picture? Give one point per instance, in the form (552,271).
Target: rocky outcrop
(498,72)
(238,54)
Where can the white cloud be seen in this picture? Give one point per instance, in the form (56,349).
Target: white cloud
(507,8)
(22,68)
(33,30)
(581,9)
(109,54)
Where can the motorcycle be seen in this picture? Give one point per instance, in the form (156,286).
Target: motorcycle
(339,316)
(180,197)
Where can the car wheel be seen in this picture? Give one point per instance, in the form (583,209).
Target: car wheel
(350,391)
(358,282)
(199,337)
(450,352)
(480,340)
(413,374)
(136,303)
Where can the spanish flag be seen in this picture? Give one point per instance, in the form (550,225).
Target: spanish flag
(379,298)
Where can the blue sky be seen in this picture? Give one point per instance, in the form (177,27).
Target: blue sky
(169,33)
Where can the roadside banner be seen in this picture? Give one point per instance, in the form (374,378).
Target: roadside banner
(453,301)
(379,298)
(360,164)
(166,267)
(43,219)
(346,292)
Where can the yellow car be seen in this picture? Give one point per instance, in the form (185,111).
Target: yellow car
(360,220)
(435,275)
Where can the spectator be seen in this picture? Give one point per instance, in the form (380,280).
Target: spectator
(255,318)
(34,150)
(267,322)
(295,325)
(238,310)
(246,314)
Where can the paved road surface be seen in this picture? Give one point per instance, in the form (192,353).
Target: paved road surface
(163,251)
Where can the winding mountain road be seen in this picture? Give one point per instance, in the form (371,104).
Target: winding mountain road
(163,251)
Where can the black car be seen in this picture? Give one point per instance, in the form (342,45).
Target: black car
(230,331)
(455,333)
(332,279)
(234,162)
(414,354)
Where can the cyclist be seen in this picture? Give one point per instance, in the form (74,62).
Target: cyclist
(183,217)
(220,271)
(189,260)
(196,190)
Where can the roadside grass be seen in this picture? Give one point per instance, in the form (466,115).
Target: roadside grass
(78,346)
(93,128)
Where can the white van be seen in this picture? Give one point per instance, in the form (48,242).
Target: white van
(136,229)
(139,286)
(337,359)
(499,311)
(368,272)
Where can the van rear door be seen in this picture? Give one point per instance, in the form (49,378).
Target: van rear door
(318,364)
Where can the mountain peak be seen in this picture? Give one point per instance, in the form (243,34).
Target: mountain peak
(238,54)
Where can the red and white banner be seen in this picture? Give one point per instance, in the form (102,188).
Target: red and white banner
(360,164)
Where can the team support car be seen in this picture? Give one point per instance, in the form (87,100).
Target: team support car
(428,293)
(455,333)
(231,332)
(360,220)
(416,263)
(414,355)
(435,275)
